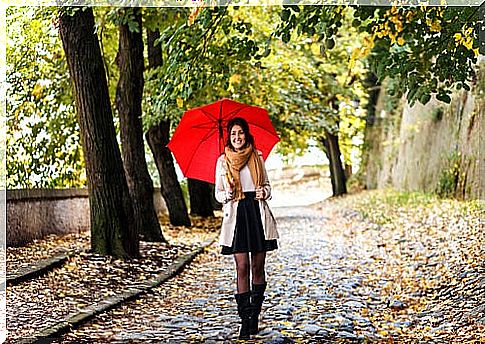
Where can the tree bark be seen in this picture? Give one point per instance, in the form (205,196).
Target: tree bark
(113,230)
(373,86)
(200,194)
(337,173)
(157,138)
(129,93)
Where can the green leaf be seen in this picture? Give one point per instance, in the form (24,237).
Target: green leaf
(411,93)
(285,37)
(444,97)
(285,14)
(425,98)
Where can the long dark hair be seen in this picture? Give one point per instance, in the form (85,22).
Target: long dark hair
(245,128)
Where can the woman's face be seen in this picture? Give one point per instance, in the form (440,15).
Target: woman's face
(238,138)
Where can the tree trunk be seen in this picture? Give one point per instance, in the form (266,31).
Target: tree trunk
(200,198)
(129,93)
(157,138)
(374,87)
(113,229)
(348,171)
(337,173)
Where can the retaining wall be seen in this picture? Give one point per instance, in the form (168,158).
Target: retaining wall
(35,213)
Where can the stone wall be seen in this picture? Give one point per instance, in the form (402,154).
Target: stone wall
(431,148)
(35,213)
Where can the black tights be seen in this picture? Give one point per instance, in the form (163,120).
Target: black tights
(242,269)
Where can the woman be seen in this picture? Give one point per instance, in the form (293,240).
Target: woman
(248,227)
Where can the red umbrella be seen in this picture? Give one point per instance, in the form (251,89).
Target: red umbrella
(200,137)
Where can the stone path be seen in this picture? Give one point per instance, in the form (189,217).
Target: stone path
(313,293)
(337,278)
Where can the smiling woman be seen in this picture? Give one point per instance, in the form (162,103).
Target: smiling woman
(248,226)
(237,137)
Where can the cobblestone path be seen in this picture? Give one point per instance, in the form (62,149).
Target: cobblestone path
(335,278)
(311,294)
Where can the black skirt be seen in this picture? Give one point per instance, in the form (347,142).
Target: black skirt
(249,232)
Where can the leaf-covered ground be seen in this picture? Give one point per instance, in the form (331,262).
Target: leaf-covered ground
(432,253)
(374,267)
(87,278)
(19,258)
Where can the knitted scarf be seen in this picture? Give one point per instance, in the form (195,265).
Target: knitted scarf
(236,161)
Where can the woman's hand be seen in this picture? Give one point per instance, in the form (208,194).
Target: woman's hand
(260,193)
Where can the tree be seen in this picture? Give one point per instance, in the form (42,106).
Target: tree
(427,50)
(198,49)
(42,147)
(128,101)
(113,229)
(158,136)
(331,146)
(310,97)
(200,198)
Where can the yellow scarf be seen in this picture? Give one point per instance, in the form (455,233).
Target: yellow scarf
(236,161)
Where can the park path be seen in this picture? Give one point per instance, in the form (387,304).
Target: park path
(337,277)
(415,274)
(315,290)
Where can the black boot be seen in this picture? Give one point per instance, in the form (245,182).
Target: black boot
(244,310)
(257,298)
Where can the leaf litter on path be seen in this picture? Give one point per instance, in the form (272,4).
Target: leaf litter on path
(88,278)
(377,266)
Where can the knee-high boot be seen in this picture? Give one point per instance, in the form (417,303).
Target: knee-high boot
(244,310)
(257,298)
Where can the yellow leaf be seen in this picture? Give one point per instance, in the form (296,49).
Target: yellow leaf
(458,37)
(468,43)
(400,41)
(235,78)
(384,333)
(37,91)
(435,26)
(180,102)
(409,16)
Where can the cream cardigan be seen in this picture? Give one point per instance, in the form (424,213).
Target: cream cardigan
(230,207)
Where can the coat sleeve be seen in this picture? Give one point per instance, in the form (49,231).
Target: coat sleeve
(266,184)
(222,195)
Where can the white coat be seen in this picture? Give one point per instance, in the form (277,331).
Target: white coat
(230,206)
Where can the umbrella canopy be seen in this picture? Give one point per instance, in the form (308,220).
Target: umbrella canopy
(200,137)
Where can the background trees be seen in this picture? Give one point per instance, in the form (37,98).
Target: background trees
(307,65)
(42,132)
(427,50)
(113,226)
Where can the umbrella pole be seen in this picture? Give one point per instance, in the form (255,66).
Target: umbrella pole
(221,136)
(221,133)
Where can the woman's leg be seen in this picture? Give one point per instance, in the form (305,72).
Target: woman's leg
(243,296)
(259,286)
(257,267)
(242,269)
